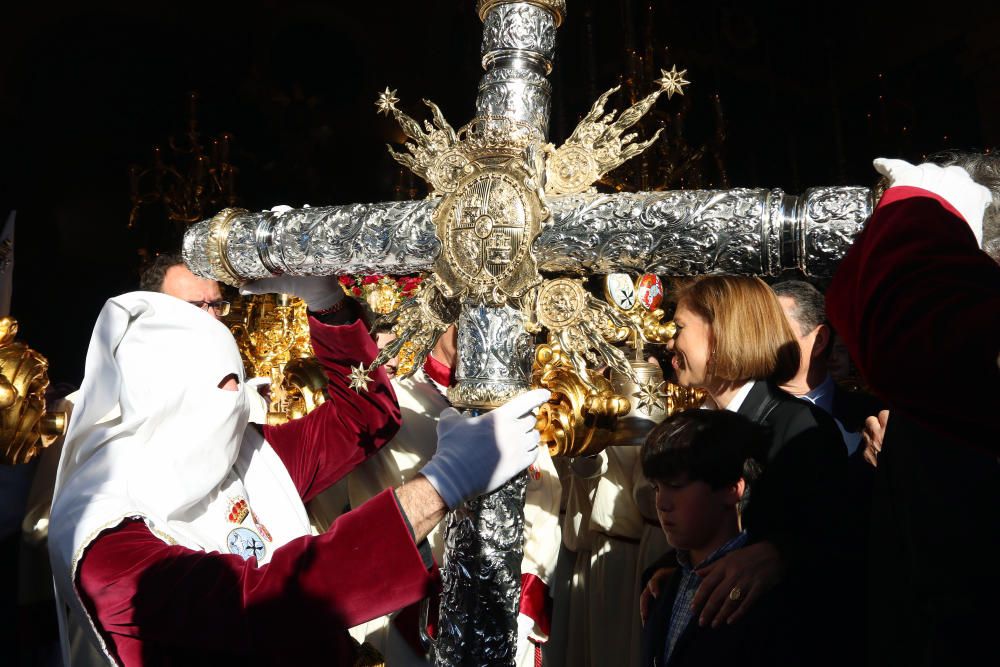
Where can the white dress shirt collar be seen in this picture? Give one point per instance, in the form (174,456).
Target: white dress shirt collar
(822,395)
(741,395)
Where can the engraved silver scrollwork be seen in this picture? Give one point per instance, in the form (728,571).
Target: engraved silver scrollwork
(519,27)
(494,356)
(505,74)
(833,217)
(386,237)
(241,246)
(741,231)
(482,572)
(483,539)
(668,233)
(194,249)
(518,94)
(481,579)
(519,41)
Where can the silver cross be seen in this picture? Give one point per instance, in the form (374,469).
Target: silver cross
(506,206)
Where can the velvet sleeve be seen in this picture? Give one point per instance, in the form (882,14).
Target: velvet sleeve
(918,305)
(153,599)
(349,426)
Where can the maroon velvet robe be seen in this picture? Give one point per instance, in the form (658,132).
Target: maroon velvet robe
(158,604)
(918,306)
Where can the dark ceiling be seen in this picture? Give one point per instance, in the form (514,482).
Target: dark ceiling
(811,92)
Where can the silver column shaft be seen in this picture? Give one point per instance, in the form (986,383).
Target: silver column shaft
(519,41)
(484,539)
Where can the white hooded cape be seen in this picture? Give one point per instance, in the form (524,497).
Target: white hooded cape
(181,451)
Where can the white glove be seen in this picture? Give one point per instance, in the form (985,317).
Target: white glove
(525,648)
(319,292)
(953,184)
(477,455)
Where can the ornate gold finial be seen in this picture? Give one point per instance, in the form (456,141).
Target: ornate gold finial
(359,379)
(386,102)
(580,417)
(597,145)
(673,81)
(25,426)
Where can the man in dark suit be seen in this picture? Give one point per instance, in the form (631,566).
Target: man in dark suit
(805,308)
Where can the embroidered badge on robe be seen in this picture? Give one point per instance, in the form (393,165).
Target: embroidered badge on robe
(243,541)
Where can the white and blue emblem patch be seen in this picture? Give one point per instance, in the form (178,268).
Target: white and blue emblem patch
(245,543)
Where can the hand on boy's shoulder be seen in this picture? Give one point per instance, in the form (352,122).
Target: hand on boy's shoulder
(732,584)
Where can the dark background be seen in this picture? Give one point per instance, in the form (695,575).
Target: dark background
(809,94)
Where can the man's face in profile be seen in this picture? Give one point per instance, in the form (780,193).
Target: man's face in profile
(179,282)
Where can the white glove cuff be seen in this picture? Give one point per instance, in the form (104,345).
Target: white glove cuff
(444,480)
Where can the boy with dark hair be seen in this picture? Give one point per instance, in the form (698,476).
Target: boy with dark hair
(701,464)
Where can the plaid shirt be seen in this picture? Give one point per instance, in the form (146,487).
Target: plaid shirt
(682,613)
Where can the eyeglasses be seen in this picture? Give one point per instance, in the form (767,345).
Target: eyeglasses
(221,307)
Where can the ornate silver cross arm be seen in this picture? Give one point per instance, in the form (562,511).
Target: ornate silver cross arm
(691,232)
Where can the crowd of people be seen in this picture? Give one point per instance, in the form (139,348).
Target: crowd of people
(788,521)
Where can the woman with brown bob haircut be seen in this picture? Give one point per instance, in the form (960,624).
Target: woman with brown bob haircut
(734,341)
(741,327)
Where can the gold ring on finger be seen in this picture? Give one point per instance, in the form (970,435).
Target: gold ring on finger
(735,594)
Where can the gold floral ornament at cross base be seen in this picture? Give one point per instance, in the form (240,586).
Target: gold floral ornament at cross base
(580,419)
(588,412)
(25,426)
(581,325)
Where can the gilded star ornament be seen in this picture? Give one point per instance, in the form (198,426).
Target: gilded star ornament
(650,397)
(673,81)
(386,101)
(359,379)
